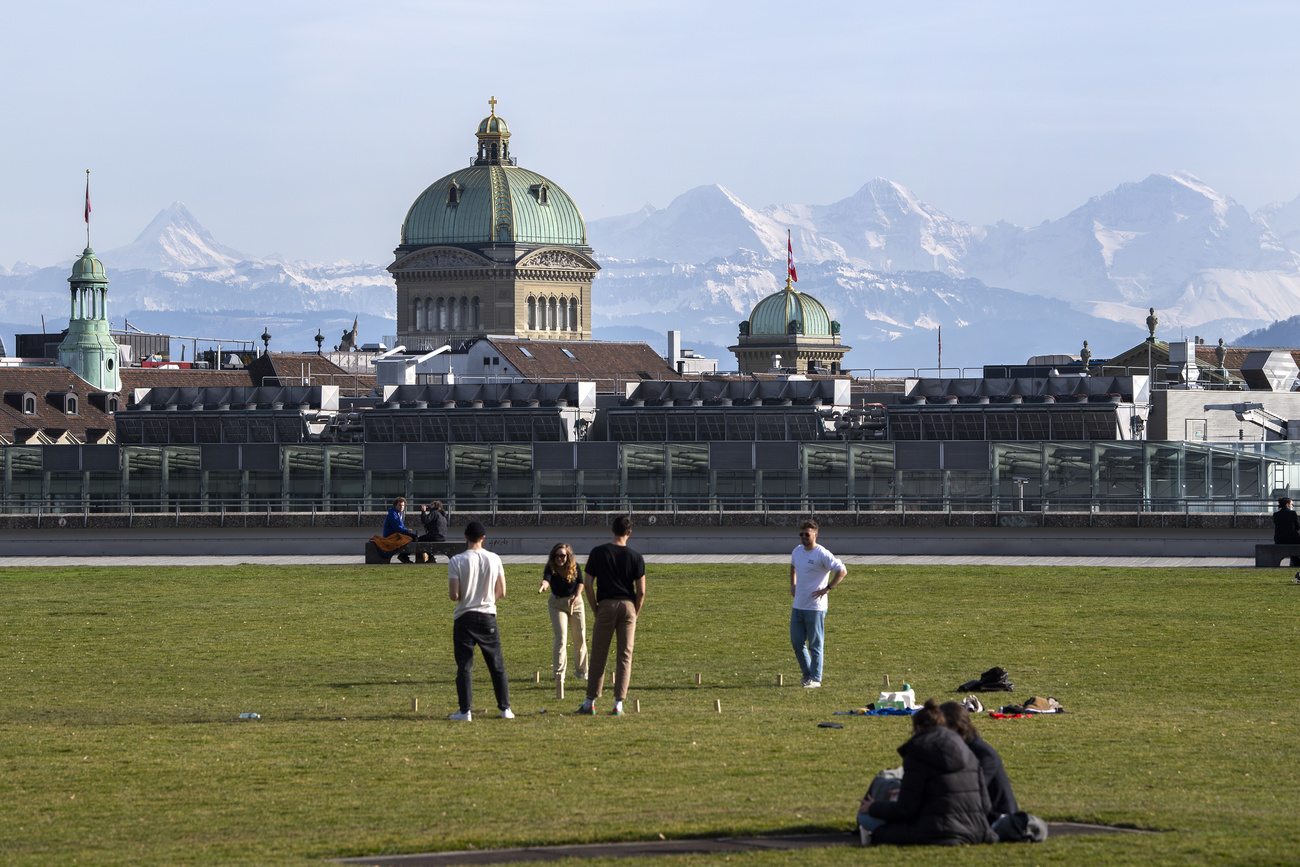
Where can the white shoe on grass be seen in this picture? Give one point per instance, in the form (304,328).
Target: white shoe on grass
(811,684)
(507,714)
(459,716)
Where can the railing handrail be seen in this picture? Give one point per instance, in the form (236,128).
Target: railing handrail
(793,502)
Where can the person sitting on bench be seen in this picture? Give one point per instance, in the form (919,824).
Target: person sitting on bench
(397,537)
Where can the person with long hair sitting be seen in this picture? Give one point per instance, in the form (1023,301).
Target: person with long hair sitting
(942,799)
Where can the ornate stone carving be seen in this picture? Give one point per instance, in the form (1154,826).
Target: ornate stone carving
(555,259)
(442,259)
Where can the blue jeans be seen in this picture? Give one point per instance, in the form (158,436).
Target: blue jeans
(808,627)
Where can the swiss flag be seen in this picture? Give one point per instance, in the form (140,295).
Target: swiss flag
(789,246)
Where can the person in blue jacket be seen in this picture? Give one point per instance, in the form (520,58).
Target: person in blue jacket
(396,523)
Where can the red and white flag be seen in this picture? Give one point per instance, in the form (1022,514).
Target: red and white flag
(789,249)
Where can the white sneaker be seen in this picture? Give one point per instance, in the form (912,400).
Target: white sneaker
(507,714)
(461,717)
(864,836)
(584,677)
(811,684)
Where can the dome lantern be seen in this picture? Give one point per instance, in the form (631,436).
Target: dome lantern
(493,140)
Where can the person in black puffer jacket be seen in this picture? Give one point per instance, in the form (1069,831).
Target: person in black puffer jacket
(1001,798)
(942,800)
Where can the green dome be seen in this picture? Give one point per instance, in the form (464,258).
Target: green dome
(494,203)
(774,313)
(493,124)
(88,269)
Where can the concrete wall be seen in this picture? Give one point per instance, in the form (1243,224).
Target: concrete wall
(889,533)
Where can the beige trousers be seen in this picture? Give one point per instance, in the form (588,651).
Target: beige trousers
(568,615)
(615,619)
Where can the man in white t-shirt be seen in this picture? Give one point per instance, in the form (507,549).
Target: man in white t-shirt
(476,580)
(811,567)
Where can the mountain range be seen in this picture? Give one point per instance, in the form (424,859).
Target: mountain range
(175,278)
(890,267)
(879,257)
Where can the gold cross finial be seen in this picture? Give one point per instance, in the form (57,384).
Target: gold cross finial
(493,102)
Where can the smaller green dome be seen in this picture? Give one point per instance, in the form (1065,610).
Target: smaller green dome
(773,315)
(88,269)
(493,125)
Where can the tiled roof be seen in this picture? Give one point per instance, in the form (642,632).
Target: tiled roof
(50,423)
(607,363)
(164,377)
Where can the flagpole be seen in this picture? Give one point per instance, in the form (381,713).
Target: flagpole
(940,351)
(87,207)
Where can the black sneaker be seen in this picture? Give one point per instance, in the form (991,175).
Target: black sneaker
(404,558)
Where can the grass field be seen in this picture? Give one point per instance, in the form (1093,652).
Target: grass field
(120,691)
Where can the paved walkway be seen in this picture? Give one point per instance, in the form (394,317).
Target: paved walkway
(538,560)
(644,848)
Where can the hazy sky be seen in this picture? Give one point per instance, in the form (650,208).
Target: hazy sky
(308,128)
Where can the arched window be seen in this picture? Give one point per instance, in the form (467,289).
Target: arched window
(564,315)
(474,312)
(417,315)
(574,321)
(112,403)
(71,405)
(532,313)
(452,314)
(442,315)
(29,405)
(464,314)
(554,321)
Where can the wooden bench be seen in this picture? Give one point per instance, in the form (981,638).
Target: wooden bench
(375,556)
(1271,556)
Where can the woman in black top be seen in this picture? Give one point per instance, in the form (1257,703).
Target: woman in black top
(567,611)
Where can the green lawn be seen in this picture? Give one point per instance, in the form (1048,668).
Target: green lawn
(120,691)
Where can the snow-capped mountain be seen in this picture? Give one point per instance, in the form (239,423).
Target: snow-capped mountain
(1284,219)
(890,320)
(1169,242)
(176,278)
(174,241)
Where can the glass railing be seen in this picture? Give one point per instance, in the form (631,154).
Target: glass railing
(72,508)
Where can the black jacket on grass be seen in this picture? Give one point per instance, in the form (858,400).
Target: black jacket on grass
(942,801)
